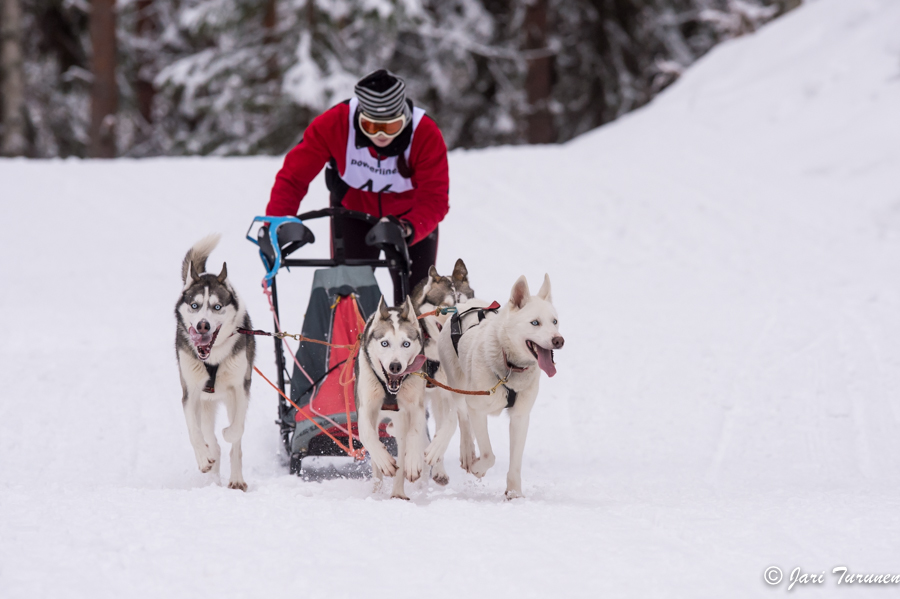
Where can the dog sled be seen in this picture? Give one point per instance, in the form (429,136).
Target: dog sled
(316,407)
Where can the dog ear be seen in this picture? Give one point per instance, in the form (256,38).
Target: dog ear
(410,308)
(519,294)
(460,272)
(544,292)
(433,273)
(383,312)
(224,274)
(407,309)
(194,276)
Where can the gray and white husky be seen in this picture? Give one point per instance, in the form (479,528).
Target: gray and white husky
(215,363)
(447,408)
(516,342)
(390,350)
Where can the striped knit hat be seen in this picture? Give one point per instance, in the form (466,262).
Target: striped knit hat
(382,95)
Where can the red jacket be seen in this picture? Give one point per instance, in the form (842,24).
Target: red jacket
(326,138)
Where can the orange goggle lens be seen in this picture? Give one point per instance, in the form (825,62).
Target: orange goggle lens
(390,128)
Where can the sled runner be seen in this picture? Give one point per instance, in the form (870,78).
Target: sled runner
(343,295)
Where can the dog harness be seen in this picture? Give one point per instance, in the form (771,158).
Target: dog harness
(456,331)
(431,368)
(511,394)
(389,402)
(211,370)
(456,334)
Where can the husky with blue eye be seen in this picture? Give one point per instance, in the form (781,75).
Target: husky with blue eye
(390,351)
(215,363)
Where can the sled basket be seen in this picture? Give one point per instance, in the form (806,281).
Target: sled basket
(340,295)
(336,296)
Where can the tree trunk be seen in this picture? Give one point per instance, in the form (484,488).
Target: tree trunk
(311,15)
(12,88)
(538,80)
(144,89)
(104,92)
(269,20)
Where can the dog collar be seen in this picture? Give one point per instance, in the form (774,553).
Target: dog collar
(511,394)
(512,367)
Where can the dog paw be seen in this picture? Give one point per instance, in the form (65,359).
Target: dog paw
(413,467)
(481,466)
(433,455)
(438,474)
(207,458)
(467,456)
(384,462)
(466,460)
(413,474)
(235,484)
(513,494)
(399,496)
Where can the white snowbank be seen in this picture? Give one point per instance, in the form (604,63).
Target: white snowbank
(724,262)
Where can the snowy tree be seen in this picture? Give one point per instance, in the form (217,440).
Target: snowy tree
(57,77)
(12,90)
(236,77)
(612,56)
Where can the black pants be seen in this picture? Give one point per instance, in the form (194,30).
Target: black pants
(422,255)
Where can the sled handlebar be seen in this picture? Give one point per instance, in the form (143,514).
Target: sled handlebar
(280,236)
(341,212)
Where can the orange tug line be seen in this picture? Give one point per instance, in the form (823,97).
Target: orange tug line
(359,455)
(344,380)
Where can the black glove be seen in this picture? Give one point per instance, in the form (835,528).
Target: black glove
(406,228)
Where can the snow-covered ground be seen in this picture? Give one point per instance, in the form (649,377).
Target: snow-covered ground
(725,265)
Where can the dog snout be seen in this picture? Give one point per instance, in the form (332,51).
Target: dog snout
(396,367)
(558,342)
(203,327)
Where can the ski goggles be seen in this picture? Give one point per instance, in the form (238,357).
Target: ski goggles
(389,127)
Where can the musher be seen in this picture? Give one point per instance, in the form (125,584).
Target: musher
(384,157)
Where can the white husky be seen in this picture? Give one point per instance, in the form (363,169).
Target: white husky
(511,343)
(390,350)
(215,363)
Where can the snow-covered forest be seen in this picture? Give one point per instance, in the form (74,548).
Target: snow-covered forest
(237,77)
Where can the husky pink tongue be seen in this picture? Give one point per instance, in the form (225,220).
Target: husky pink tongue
(198,338)
(416,364)
(545,360)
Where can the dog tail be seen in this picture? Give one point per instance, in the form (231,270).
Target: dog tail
(198,255)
